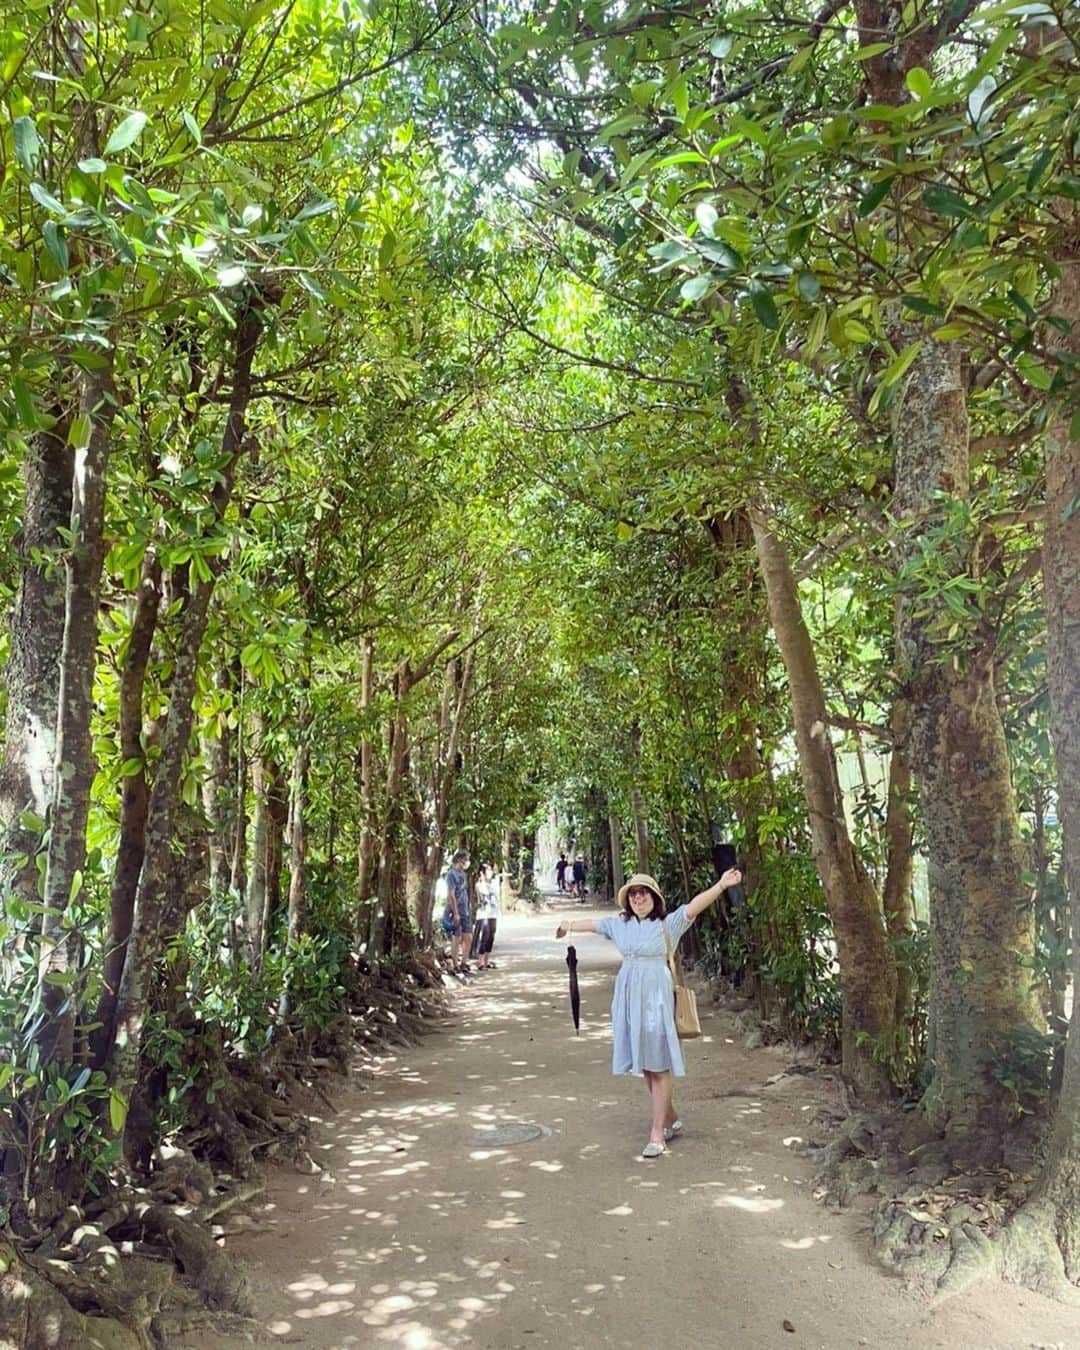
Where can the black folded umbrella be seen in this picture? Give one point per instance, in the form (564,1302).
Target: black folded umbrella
(575,993)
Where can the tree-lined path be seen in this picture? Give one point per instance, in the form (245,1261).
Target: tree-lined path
(419,1237)
(649,430)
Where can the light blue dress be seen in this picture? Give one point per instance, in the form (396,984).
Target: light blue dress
(643,1005)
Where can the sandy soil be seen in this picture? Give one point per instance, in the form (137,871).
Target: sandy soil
(421,1235)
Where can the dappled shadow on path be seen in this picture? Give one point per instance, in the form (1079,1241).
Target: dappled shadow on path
(425,1232)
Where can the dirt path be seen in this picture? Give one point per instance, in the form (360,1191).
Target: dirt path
(421,1237)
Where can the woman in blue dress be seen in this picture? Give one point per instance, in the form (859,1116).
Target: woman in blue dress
(643,1004)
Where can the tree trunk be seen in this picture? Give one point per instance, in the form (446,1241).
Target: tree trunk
(154,878)
(255,900)
(897,898)
(981,914)
(32,671)
(637,806)
(277,806)
(618,876)
(75,763)
(365,848)
(1043,1249)
(216,789)
(866,960)
(298,833)
(238,859)
(134,803)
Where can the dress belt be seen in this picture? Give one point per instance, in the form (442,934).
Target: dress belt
(644,956)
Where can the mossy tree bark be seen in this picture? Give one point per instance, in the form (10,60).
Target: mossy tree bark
(75,762)
(981,918)
(32,670)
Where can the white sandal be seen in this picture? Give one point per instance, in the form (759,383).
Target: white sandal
(653,1150)
(673,1130)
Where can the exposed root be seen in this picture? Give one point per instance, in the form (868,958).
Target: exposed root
(1031,1257)
(35,1315)
(78,1283)
(210,1270)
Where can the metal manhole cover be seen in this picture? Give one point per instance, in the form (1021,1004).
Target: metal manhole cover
(513,1133)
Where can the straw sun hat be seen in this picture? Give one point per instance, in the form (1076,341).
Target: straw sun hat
(640,879)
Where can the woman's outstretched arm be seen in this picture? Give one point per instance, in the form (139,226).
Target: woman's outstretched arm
(567,926)
(701,902)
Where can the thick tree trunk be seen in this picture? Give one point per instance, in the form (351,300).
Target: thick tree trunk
(134,803)
(866,959)
(75,763)
(637,806)
(1044,1245)
(981,915)
(32,671)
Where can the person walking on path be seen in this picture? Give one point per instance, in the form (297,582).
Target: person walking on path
(580,872)
(643,1004)
(456,921)
(487,915)
(560,872)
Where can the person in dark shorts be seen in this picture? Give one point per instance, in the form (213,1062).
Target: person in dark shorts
(580,873)
(457,922)
(560,872)
(487,915)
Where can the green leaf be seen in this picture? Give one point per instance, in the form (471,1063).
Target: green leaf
(118,1109)
(898,368)
(721,46)
(92,166)
(919,82)
(764,307)
(126,133)
(943,201)
(231,276)
(809,286)
(80,431)
(1038,168)
(801,57)
(56,244)
(918,304)
(44,197)
(875,196)
(27,145)
(193,128)
(694,288)
(706,216)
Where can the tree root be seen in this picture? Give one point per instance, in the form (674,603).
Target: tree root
(35,1315)
(214,1274)
(1031,1256)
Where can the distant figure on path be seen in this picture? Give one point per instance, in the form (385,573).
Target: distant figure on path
(487,916)
(560,872)
(643,1006)
(456,921)
(580,873)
